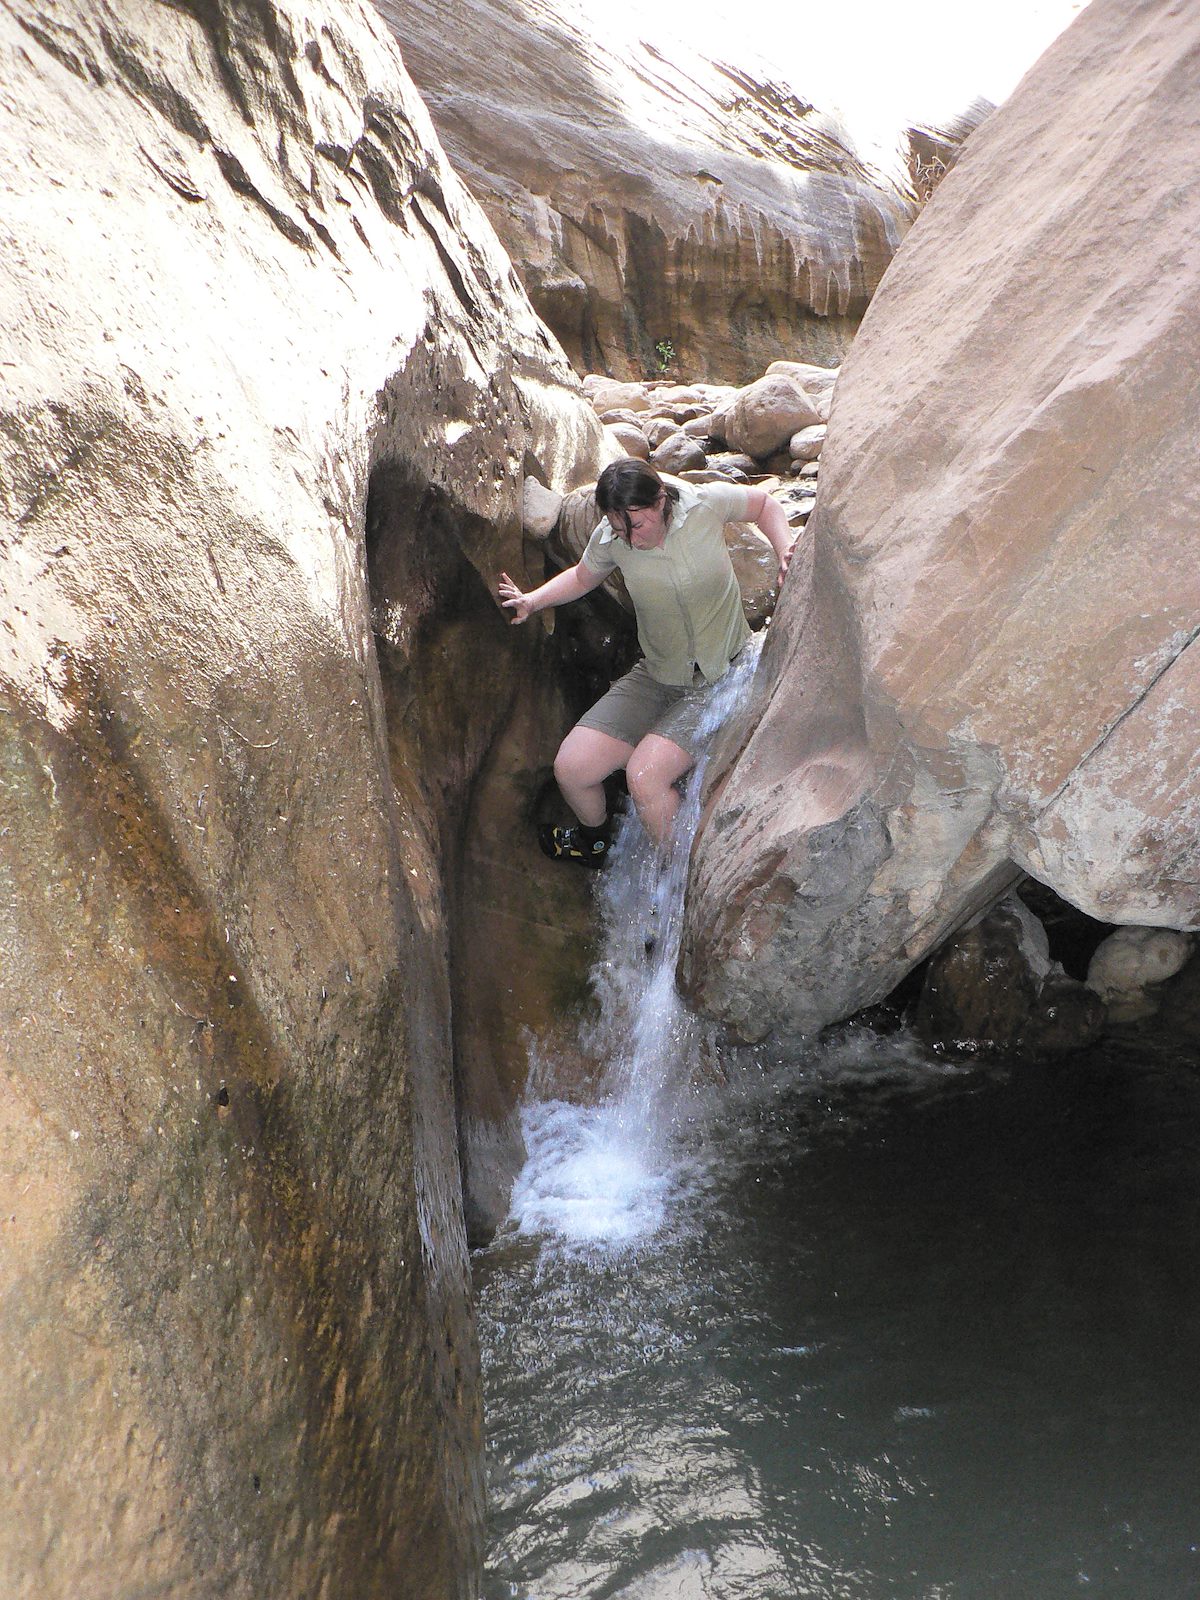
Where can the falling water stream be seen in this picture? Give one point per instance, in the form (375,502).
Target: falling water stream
(860,1324)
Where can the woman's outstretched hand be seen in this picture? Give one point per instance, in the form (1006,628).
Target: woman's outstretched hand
(513,599)
(785,561)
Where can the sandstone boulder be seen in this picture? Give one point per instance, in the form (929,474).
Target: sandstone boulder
(659,430)
(607,395)
(699,427)
(678,453)
(983,663)
(813,380)
(823,404)
(268,394)
(727,461)
(807,443)
(763,416)
(1128,967)
(630,441)
(540,507)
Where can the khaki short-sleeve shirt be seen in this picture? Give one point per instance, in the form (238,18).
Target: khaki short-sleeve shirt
(685,593)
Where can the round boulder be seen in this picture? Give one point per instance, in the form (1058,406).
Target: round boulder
(609,395)
(658,430)
(813,380)
(1128,965)
(700,427)
(763,416)
(678,453)
(806,444)
(632,440)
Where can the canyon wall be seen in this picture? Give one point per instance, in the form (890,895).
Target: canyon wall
(661,206)
(983,663)
(268,392)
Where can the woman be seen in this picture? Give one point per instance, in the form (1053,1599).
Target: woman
(667,540)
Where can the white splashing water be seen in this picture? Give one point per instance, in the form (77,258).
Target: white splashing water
(606,1175)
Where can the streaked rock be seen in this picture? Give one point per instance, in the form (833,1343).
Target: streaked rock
(653,196)
(269,397)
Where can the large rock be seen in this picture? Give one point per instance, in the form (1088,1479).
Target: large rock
(660,205)
(983,661)
(268,392)
(763,416)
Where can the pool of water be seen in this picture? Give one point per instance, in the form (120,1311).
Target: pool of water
(876,1328)
(861,1324)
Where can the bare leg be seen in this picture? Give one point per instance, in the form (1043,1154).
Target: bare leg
(585,758)
(653,770)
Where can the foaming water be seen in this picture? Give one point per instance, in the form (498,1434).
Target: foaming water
(606,1175)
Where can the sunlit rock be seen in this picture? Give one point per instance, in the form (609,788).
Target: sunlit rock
(269,392)
(607,395)
(983,663)
(665,209)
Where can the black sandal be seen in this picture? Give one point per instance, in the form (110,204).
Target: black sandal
(588,846)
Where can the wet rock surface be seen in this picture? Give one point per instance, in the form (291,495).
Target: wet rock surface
(259,719)
(993,987)
(964,682)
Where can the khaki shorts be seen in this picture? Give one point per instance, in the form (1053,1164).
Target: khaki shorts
(638,704)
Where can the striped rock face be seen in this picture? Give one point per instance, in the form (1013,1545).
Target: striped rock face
(666,210)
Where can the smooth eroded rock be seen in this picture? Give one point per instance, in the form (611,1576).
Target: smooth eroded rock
(268,394)
(678,453)
(1130,964)
(985,663)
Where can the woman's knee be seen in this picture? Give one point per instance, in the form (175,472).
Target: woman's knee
(654,766)
(587,756)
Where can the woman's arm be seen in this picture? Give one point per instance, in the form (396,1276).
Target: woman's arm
(572,584)
(769,516)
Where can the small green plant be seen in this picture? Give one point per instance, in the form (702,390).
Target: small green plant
(665,351)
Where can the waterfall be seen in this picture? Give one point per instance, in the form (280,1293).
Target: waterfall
(604,1175)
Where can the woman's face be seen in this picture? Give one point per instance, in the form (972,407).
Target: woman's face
(647,525)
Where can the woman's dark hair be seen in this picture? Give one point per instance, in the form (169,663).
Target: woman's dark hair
(631,485)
